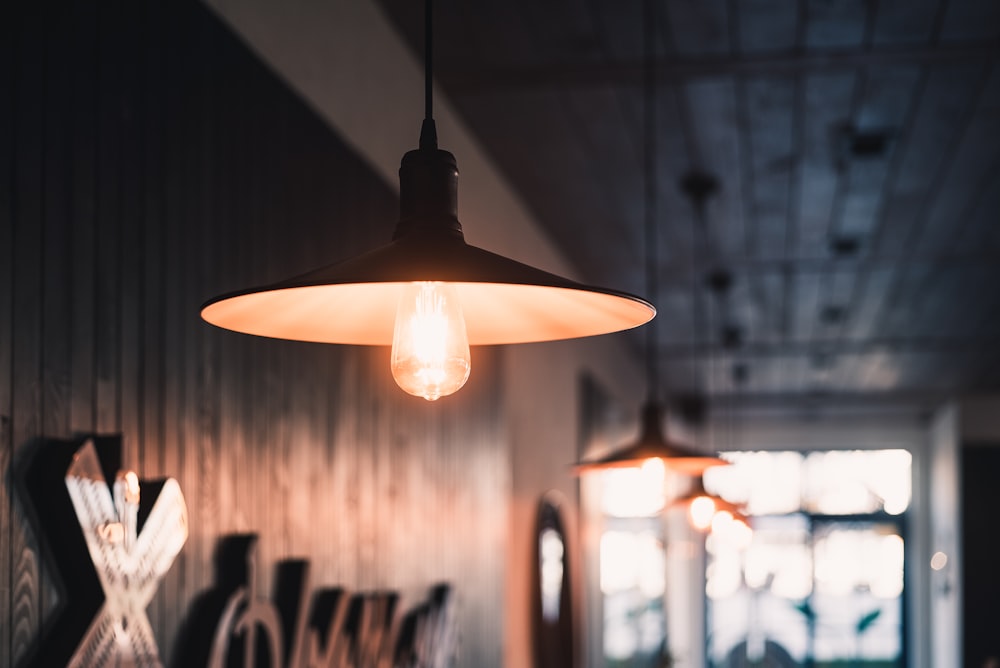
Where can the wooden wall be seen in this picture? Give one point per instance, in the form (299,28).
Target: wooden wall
(147,162)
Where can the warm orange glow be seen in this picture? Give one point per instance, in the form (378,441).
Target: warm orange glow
(354,301)
(653,469)
(364,313)
(701,511)
(430,349)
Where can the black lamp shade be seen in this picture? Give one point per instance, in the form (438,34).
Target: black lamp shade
(354,301)
(653,445)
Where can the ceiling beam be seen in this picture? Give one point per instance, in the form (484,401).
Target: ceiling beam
(727,405)
(681,272)
(829,347)
(464,81)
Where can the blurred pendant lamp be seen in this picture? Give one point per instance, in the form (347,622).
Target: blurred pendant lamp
(652,444)
(706,511)
(702,507)
(427,293)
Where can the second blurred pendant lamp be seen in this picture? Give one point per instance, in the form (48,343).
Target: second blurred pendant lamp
(428,293)
(652,444)
(702,507)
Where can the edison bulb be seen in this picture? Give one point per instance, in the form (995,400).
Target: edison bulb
(430,349)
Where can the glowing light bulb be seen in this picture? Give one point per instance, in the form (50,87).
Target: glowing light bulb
(430,349)
(702,510)
(653,469)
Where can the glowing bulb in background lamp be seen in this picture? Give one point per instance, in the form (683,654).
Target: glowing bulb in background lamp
(430,348)
(701,511)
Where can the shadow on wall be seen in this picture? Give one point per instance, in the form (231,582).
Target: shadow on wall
(332,627)
(104,546)
(39,480)
(74,499)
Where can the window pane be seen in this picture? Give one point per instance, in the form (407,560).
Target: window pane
(822,578)
(831,483)
(769,483)
(633,571)
(857,481)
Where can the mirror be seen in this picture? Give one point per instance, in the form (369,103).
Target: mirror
(552,601)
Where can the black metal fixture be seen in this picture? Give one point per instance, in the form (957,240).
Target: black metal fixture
(867,143)
(652,444)
(844,246)
(852,143)
(428,293)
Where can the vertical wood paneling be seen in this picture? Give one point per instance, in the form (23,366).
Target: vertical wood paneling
(56,212)
(27,198)
(153,163)
(7,104)
(193,225)
(83,213)
(56,189)
(131,190)
(108,277)
(156,107)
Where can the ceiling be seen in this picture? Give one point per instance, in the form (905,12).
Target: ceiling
(855,145)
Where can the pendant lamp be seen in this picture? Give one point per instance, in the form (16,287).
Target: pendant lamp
(652,444)
(428,293)
(702,506)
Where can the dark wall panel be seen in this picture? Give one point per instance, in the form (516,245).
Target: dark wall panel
(148,161)
(980,581)
(6,316)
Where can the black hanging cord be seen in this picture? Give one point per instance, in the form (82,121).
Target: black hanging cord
(428,59)
(649,166)
(428,131)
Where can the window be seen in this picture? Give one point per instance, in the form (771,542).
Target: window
(823,576)
(632,560)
